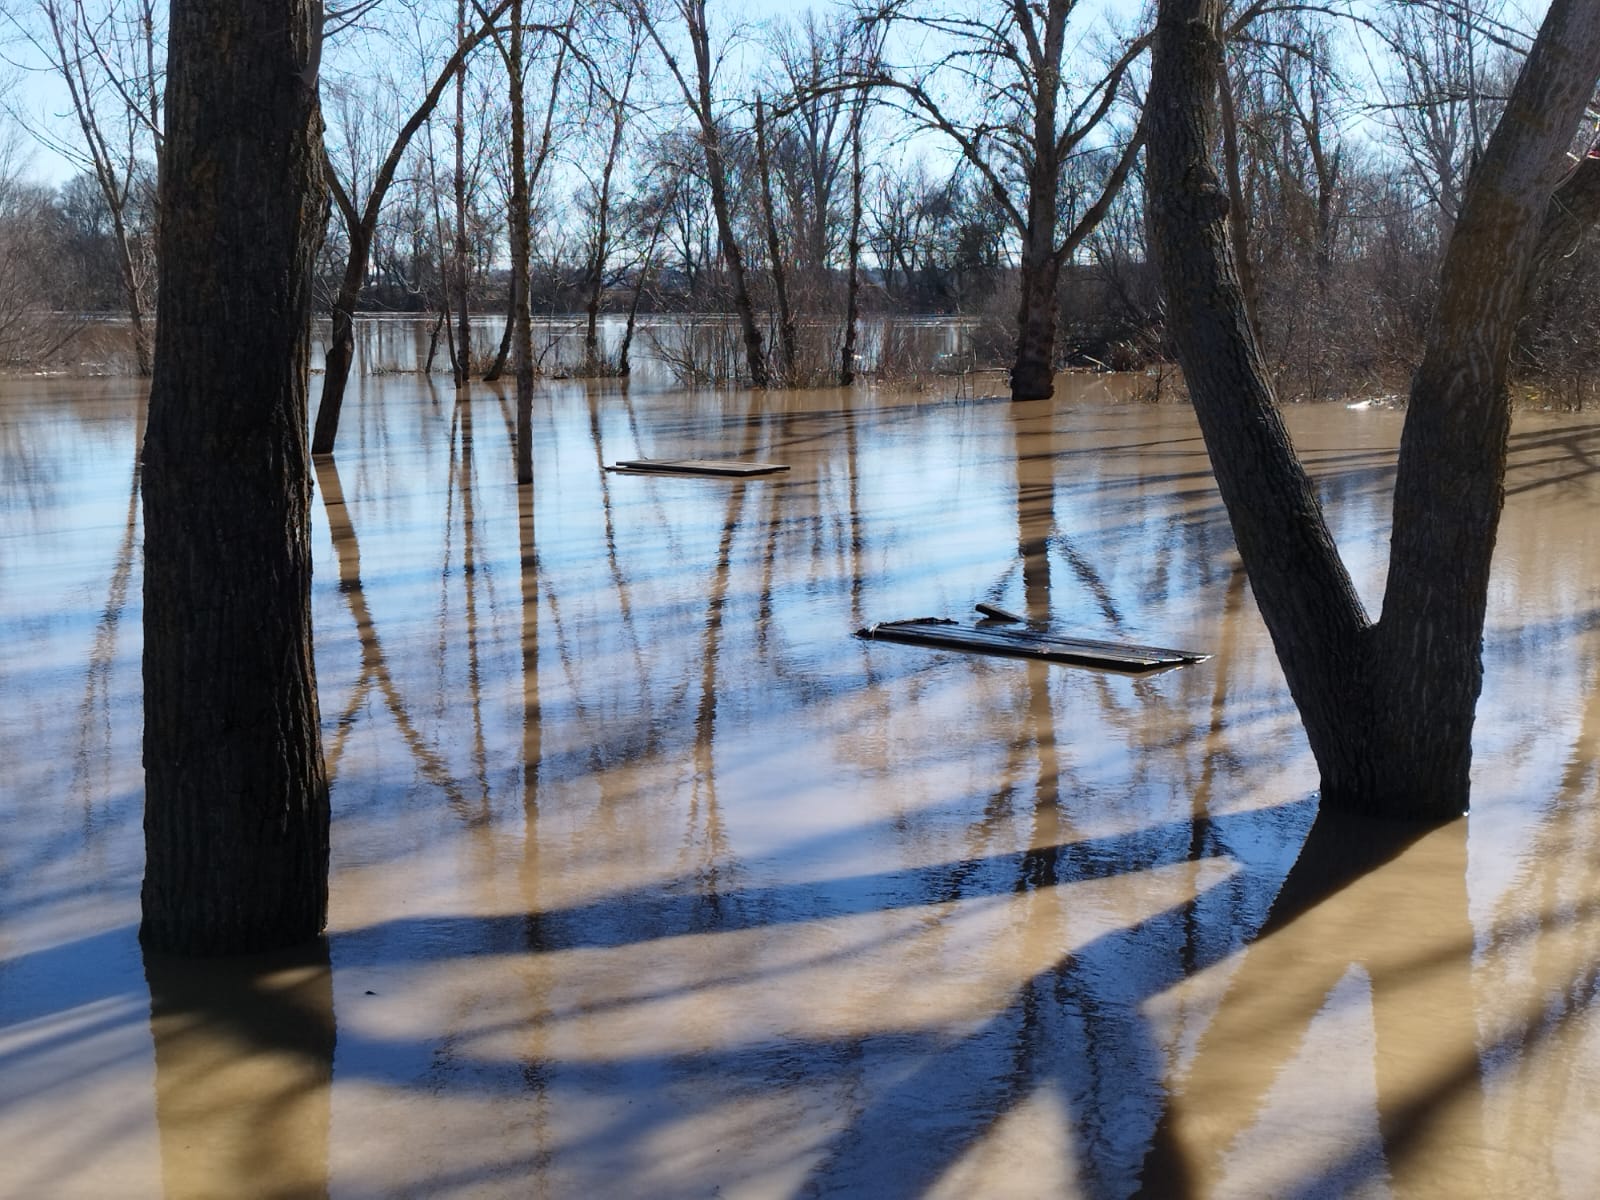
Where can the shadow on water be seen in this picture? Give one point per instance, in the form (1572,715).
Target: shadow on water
(652,881)
(1374,915)
(244,1049)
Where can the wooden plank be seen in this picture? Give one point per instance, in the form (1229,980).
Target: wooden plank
(696,466)
(1030,643)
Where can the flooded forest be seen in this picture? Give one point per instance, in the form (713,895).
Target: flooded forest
(451,740)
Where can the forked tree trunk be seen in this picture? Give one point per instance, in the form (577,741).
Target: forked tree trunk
(1387,706)
(236,796)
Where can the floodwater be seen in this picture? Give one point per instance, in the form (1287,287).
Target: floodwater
(665,348)
(650,880)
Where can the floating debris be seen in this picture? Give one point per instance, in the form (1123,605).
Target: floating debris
(730,467)
(1031,642)
(995,613)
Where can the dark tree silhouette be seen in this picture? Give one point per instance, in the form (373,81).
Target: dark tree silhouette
(236,796)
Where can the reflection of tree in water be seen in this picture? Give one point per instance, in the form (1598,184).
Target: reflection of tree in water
(716,870)
(463,479)
(924,1101)
(1538,968)
(93,745)
(1074,1030)
(1343,888)
(375,667)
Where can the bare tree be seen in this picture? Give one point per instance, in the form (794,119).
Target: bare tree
(610,90)
(698,86)
(775,253)
(847,349)
(1284,160)
(1442,80)
(522,338)
(1019,120)
(110,57)
(558,34)
(820,120)
(1388,704)
(360,214)
(460,275)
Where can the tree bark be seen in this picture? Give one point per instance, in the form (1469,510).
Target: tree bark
(1033,375)
(463,341)
(236,796)
(522,337)
(852,290)
(1387,706)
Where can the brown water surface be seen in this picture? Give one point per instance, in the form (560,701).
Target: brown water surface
(650,880)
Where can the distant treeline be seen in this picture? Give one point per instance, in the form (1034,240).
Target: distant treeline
(898,160)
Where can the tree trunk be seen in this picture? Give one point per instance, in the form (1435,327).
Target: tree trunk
(362,227)
(717,181)
(433,341)
(602,239)
(498,367)
(780,282)
(852,289)
(462,360)
(1033,375)
(130,286)
(1238,209)
(624,367)
(236,796)
(341,350)
(591,313)
(522,338)
(1387,707)
(733,259)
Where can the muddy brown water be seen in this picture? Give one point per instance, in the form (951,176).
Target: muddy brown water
(650,880)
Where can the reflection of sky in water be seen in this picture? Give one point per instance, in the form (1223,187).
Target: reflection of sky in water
(753,904)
